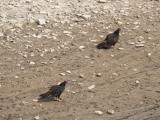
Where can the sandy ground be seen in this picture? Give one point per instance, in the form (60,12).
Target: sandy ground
(34,57)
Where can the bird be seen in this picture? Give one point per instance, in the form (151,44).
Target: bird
(110,40)
(53,93)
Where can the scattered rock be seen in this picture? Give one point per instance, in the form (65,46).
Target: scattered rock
(16,76)
(112,55)
(1,34)
(149,54)
(81,47)
(115,74)
(120,48)
(137,82)
(98,112)
(91,87)
(41,21)
(110,112)
(86,17)
(81,76)
(35,100)
(93,40)
(99,74)
(135,69)
(68,71)
(131,43)
(37,117)
(32,63)
(62,74)
(87,57)
(140,45)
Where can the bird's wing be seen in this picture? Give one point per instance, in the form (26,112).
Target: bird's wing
(46,94)
(109,37)
(57,91)
(49,92)
(53,87)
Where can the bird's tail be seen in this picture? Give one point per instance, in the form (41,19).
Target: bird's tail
(103,45)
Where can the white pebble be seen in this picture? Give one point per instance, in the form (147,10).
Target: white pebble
(68,71)
(41,21)
(32,63)
(62,74)
(137,82)
(131,43)
(99,74)
(1,34)
(81,76)
(99,112)
(37,117)
(112,55)
(149,54)
(135,69)
(81,47)
(110,111)
(93,40)
(91,87)
(16,77)
(140,45)
(120,48)
(115,74)
(35,100)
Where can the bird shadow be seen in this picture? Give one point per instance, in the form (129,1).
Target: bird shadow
(46,99)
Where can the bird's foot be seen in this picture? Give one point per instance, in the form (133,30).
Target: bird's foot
(58,99)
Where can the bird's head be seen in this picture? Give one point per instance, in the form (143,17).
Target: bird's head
(64,83)
(117,31)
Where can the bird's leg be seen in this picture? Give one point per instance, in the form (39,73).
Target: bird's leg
(57,99)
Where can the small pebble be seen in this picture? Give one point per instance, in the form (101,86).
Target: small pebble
(81,76)
(16,77)
(35,100)
(120,48)
(137,82)
(32,63)
(37,117)
(41,21)
(62,74)
(68,71)
(115,74)
(87,57)
(99,112)
(112,55)
(131,43)
(140,45)
(91,87)
(135,69)
(81,47)
(99,74)
(111,112)
(149,54)
(1,34)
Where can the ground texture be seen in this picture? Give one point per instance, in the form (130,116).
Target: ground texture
(47,41)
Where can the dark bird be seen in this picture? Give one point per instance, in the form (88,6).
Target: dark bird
(110,40)
(53,93)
